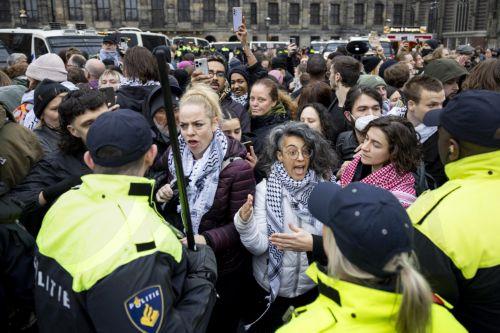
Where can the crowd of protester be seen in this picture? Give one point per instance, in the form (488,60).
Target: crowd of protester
(341,194)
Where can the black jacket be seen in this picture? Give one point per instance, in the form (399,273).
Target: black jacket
(51,170)
(346,145)
(16,277)
(340,124)
(261,126)
(227,103)
(49,138)
(432,161)
(133,97)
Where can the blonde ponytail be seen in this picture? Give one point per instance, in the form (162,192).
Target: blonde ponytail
(414,314)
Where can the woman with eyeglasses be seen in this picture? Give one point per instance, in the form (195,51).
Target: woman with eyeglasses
(389,154)
(278,229)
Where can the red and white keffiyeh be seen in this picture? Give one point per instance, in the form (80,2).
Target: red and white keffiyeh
(403,187)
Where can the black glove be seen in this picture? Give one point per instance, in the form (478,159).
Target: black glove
(202,263)
(53,192)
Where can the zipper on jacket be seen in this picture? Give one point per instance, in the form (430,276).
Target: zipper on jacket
(297,268)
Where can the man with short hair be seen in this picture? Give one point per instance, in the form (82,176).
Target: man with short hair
(316,67)
(424,93)
(216,79)
(456,238)
(76,61)
(344,75)
(106,260)
(93,71)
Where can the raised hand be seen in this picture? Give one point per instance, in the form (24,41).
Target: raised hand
(246,210)
(299,240)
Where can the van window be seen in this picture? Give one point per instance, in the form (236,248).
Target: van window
(203,43)
(131,38)
(152,41)
(40,47)
(89,44)
(17,42)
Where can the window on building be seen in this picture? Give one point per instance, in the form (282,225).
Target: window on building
(31,7)
(273,12)
(230,5)
(183,13)
(157,13)
(315,13)
(359,13)
(103,10)
(294,13)
(335,14)
(253,13)
(462,20)
(209,11)
(75,10)
(5,15)
(378,17)
(397,17)
(130,10)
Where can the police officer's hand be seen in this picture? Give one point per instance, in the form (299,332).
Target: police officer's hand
(164,194)
(246,210)
(199,77)
(201,263)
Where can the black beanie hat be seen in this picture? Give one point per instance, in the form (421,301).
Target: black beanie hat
(45,92)
(242,70)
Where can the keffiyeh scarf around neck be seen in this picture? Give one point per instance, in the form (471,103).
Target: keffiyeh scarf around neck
(113,55)
(279,184)
(242,100)
(203,175)
(138,83)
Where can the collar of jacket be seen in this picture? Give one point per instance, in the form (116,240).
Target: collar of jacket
(478,166)
(116,186)
(360,301)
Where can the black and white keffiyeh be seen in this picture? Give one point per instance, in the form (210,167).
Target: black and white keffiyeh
(203,175)
(242,100)
(280,184)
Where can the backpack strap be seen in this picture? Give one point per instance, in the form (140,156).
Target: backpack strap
(228,161)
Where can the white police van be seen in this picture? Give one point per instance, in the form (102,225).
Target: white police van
(200,42)
(136,37)
(36,42)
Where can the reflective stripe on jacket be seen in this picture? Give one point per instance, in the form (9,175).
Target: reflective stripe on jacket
(347,307)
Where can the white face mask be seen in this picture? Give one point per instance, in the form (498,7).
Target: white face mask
(163,129)
(361,122)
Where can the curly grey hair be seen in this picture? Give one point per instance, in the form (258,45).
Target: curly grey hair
(323,158)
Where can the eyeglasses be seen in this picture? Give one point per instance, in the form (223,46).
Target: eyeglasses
(218,74)
(294,153)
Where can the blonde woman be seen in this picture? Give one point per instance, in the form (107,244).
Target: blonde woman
(220,179)
(371,284)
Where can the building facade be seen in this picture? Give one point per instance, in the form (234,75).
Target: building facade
(304,20)
(454,21)
(457,22)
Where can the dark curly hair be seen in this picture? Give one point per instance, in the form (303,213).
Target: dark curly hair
(325,119)
(323,158)
(74,104)
(404,146)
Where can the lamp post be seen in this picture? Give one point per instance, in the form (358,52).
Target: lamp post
(23,18)
(268,23)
